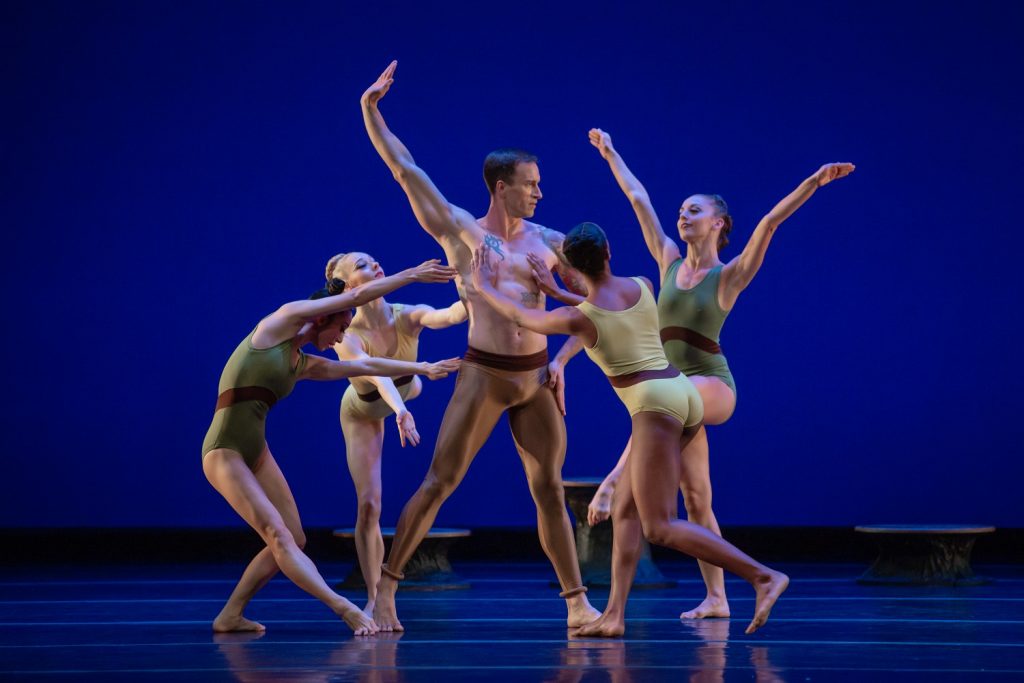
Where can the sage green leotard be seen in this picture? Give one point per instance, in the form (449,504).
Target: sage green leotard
(239,422)
(630,354)
(691,321)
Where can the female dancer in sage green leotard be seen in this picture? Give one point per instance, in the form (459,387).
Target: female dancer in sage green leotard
(236,458)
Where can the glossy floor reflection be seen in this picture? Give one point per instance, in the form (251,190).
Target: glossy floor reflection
(152,623)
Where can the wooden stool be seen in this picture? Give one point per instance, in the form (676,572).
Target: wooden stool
(594,544)
(429,568)
(926,554)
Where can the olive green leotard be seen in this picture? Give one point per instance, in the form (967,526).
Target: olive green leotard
(252,381)
(691,321)
(629,351)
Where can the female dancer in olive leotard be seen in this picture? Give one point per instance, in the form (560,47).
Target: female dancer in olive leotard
(379,330)
(618,325)
(236,458)
(697,293)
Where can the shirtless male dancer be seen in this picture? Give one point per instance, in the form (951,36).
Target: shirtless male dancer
(505,367)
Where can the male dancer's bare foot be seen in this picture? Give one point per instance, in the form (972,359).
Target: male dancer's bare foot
(384,612)
(608,625)
(236,623)
(768,589)
(711,608)
(580,612)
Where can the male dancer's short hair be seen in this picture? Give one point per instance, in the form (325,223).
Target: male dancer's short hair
(501,165)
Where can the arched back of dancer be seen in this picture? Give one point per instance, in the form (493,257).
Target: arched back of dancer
(618,325)
(236,458)
(379,330)
(505,369)
(697,293)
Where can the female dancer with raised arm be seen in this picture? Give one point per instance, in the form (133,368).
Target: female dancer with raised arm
(236,459)
(618,326)
(697,293)
(379,330)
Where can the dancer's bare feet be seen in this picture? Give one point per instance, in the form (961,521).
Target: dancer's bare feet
(711,608)
(236,623)
(384,612)
(580,611)
(359,621)
(608,625)
(768,589)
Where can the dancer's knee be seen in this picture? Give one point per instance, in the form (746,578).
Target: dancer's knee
(697,500)
(547,491)
(368,511)
(437,486)
(657,531)
(300,539)
(279,539)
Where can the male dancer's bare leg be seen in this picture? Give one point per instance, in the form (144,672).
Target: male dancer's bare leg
(539,432)
(468,420)
(654,467)
(627,546)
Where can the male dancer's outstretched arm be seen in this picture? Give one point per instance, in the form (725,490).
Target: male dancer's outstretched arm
(442,220)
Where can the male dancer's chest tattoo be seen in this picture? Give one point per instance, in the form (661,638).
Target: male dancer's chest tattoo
(529,298)
(494,244)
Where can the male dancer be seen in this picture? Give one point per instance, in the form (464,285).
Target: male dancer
(505,367)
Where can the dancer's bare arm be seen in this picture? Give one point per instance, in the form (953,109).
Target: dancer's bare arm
(662,247)
(438,318)
(286,321)
(740,271)
(351,348)
(546,282)
(563,320)
(442,220)
(324,369)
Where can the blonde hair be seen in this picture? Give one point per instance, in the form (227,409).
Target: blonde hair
(332,263)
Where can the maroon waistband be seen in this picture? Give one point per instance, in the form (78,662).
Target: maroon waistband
(691,337)
(628,380)
(230,397)
(399,382)
(502,362)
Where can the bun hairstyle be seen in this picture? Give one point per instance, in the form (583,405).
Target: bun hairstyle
(334,286)
(586,248)
(721,211)
(332,264)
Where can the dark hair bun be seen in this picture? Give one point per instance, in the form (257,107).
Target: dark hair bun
(335,286)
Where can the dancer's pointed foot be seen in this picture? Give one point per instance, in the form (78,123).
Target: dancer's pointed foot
(360,622)
(711,608)
(768,589)
(236,623)
(581,612)
(384,611)
(607,625)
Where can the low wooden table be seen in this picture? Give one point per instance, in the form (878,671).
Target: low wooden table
(594,544)
(429,568)
(926,554)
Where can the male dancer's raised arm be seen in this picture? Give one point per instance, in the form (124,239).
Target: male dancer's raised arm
(442,220)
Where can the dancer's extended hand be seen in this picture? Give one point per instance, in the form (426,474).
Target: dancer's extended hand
(556,380)
(484,271)
(381,85)
(542,275)
(407,429)
(433,271)
(442,368)
(829,172)
(601,140)
(600,507)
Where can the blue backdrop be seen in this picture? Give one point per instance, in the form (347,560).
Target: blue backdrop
(174,171)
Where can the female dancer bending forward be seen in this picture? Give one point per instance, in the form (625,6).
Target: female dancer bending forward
(697,293)
(236,458)
(618,325)
(379,330)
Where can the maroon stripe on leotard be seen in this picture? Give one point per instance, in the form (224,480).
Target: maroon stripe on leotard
(691,337)
(230,397)
(510,363)
(628,380)
(374,395)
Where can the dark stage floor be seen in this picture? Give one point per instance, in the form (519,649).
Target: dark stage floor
(152,623)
